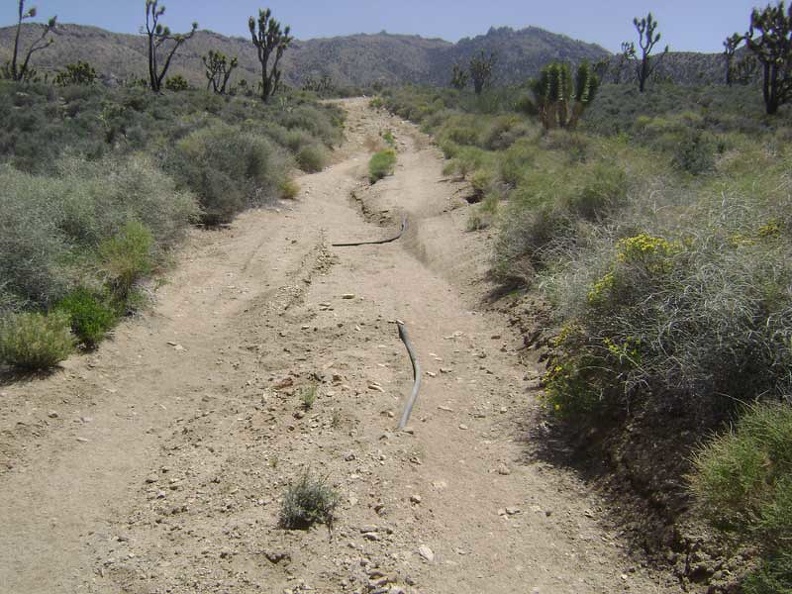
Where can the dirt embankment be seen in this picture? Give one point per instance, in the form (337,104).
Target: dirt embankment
(157,463)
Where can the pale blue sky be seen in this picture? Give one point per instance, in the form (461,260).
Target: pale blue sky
(686,25)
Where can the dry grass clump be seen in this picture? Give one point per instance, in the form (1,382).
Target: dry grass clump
(308,501)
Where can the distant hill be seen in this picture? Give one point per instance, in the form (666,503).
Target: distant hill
(354,60)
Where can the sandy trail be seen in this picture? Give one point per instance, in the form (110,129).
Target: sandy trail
(157,464)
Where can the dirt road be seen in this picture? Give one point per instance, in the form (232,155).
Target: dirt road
(157,463)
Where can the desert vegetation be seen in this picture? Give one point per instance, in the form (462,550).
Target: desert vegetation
(652,218)
(658,233)
(100,184)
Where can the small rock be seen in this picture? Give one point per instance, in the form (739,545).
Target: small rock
(463,427)
(504,470)
(445,409)
(446,370)
(371,536)
(376,388)
(426,553)
(151,479)
(513,511)
(277,556)
(178,347)
(52,414)
(82,440)
(415,499)
(431,374)
(368,528)
(350,457)
(348,296)
(286,382)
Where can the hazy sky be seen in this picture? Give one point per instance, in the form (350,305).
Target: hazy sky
(686,25)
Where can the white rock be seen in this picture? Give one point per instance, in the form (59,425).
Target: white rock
(426,553)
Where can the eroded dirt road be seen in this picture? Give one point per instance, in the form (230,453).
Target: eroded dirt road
(157,463)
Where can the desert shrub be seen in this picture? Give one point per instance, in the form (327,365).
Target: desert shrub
(603,188)
(91,317)
(98,198)
(695,152)
(35,341)
(176,83)
(311,158)
(78,73)
(516,162)
(127,257)
(289,189)
(574,144)
(381,164)
(227,169)
(308,396)
(502,132)
(692,325)
(743,478)
(528,238)
(323,124)
(774,575)
(307,502)
(743,483)
(31,245)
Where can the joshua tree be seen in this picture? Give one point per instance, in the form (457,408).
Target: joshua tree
(13,69)
(459,77)
(218,71)
(729,47)
(269,39)
(770,40)
(481,66)
(159,36)
(561,101)
(647,39)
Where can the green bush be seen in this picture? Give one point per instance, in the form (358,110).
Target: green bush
(227,169)
(311,158)
(90,316)
(604,188)
(695,153)
(774,575)
(381,164)
(32,245)
(686,327)
(307,502)
(743,483)
(126,258)
(176,83)
(743,478)
(35,341)
(98,197)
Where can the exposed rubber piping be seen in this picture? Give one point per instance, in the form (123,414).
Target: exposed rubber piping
(378,241)
(416,376)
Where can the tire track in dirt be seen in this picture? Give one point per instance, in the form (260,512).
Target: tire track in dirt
(191,444)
